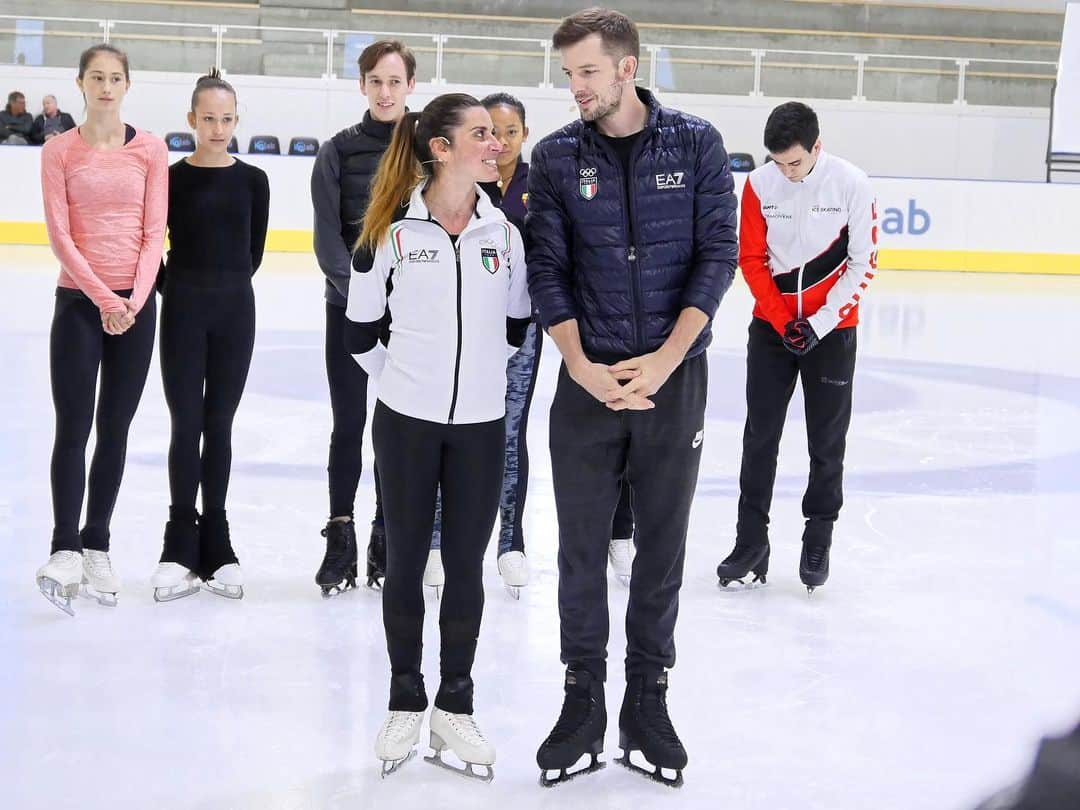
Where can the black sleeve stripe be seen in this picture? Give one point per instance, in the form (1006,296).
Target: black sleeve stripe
(361,338)
(516,329)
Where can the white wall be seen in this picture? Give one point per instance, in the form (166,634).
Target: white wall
(886,139)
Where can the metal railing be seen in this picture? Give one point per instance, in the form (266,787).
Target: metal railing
(477,59)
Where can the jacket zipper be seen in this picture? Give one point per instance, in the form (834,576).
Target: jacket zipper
(631,252)
(456,245)
(457,358)
(798,235)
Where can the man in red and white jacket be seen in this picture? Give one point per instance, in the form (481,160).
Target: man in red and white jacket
(808,250)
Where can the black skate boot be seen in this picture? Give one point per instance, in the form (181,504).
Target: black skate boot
(219,569)
(644,725)
(337,573)
(814,566)
(747,556)
(578,731)
(376,556)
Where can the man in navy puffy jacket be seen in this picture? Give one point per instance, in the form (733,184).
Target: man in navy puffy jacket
(632,244)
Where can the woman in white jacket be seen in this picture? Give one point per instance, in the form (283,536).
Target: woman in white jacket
(430,315)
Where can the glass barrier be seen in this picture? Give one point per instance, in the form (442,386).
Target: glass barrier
(502,61)
(809,74)
(272,51)
(1013,84)
(348,45)
(914,79)
(695,69)
(47,41)
(183,48)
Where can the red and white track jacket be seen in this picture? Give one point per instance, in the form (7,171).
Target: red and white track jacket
(808,249)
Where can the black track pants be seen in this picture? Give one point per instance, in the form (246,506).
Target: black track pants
(827,373)
(207,337)
(78,347)
(415,459)
(658,453)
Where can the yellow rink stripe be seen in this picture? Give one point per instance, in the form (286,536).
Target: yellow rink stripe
(978,261)
(975,261)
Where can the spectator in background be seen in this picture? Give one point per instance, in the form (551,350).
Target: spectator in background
(15,122)
(50,122)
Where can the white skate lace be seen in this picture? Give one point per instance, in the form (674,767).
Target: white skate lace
(398,725)
(465,727)
(99,563)
(64,557)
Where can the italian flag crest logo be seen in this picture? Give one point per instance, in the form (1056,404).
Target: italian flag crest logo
(587,184)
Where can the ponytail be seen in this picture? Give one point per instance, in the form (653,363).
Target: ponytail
(398,174)
(409,160)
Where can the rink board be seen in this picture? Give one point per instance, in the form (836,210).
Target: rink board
(924,224)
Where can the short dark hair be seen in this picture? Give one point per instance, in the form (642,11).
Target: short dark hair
(791,124)
(14,96)
(616,30)
(377,50)
(504,100)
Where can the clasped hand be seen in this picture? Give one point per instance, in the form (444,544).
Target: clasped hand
(627,385)
(116,323)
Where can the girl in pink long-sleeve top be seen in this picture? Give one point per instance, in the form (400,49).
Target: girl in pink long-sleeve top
(105,188)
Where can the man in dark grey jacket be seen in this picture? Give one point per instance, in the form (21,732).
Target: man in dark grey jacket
(632,244)
(16,124)
(340,185)
(52,121)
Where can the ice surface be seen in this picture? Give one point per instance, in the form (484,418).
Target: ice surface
(945,643)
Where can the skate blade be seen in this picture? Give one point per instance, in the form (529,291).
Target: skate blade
(227,591)
(103,598)
(58,594)
(738,585)
(329,591)
(390,766)
(514,591)
(656,776)
(173,592)
(466,771)
(564,776)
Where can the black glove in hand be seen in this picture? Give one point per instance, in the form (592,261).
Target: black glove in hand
(799,337)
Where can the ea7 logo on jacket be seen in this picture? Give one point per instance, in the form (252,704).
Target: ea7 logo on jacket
(423,256)
(587,183)
(670,180)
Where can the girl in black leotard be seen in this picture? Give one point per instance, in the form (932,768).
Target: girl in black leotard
(218,210)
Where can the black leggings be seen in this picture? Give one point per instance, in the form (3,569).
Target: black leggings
(415,459)
(78,347)
(207,336)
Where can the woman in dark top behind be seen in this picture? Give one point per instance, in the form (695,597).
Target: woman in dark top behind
(218,211)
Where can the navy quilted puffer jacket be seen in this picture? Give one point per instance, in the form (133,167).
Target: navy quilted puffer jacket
(626,297)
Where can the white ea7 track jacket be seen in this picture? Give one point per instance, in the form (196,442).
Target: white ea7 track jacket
(809,249)
(450,306)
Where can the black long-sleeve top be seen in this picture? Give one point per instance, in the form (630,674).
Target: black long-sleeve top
(217,223)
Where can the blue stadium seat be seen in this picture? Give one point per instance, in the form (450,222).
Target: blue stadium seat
(233,146)
(304,146)
(742,161)
(264,145)
(180,142)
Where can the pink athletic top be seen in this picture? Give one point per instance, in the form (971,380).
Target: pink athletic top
(105,210)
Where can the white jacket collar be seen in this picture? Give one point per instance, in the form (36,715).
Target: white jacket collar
(486,212)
